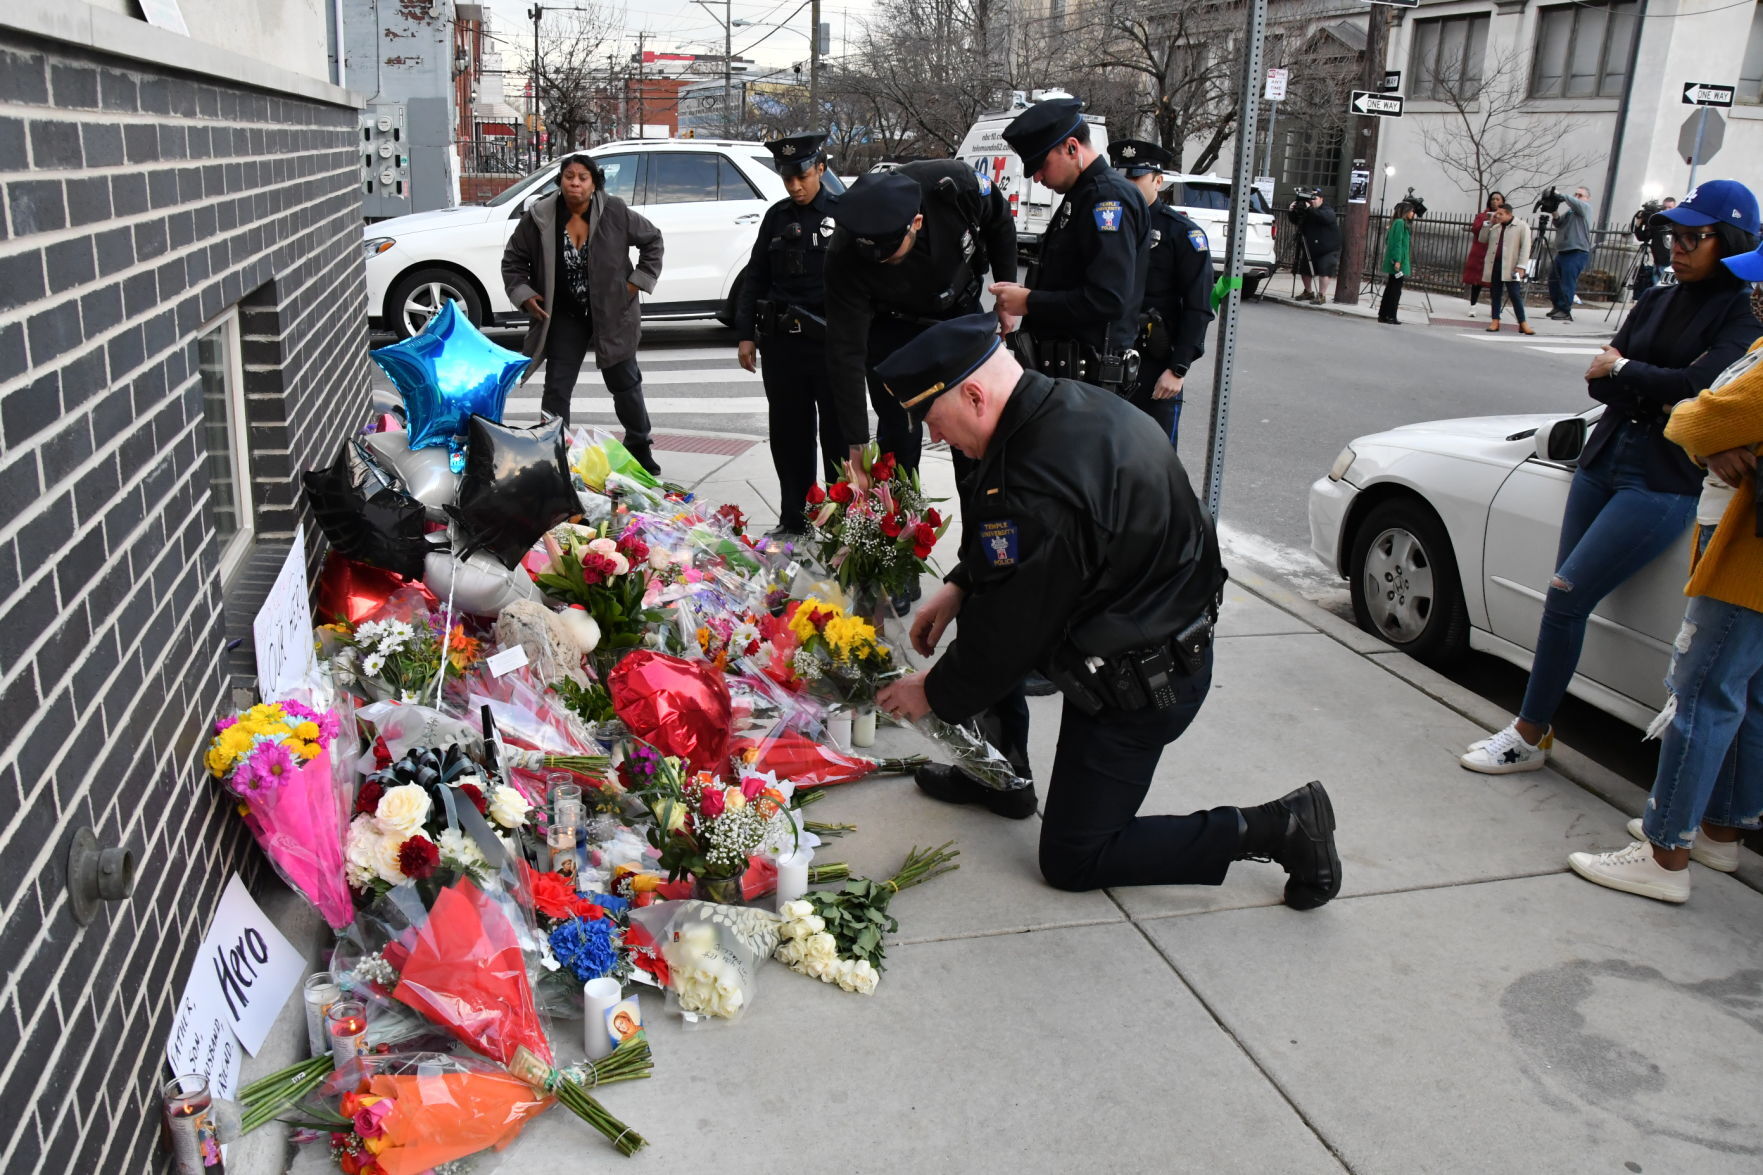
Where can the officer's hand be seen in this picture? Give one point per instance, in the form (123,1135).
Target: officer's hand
(1168,386)
(904,698)
(1012,298)
(1732,465)
(1007,322)
(933,617)
(749,355)
(533,306)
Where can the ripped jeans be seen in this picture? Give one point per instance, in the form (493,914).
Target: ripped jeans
(1711,752)
(1612,527)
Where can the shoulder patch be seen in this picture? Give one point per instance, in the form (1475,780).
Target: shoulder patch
(998,538)
(1197,237)
(1107,214)
(985,184)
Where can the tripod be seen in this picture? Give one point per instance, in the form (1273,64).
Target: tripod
(1643,255)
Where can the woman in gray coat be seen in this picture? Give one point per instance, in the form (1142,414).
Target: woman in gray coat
(568,265)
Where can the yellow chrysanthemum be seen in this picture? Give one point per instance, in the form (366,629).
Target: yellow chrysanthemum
(219,760)
(306,731)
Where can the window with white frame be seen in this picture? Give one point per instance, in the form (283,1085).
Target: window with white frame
(1582,50)
(1751,72)
(1445,60)
(225,440)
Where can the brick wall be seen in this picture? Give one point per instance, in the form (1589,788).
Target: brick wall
(138,206)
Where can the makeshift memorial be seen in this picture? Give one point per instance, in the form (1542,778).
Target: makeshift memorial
(426,474)
(607,577)
(399,654)
(712,953)
(275,758)
(874,528)
(447,374)
(350,591)
(514,489)
(363,518)
(836,935)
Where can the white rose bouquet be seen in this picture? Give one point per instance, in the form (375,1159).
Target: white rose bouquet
(711,953)
(836,935)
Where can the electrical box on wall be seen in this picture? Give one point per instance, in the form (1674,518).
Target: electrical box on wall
(385,160)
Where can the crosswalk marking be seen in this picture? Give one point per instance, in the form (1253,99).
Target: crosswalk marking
(1567,350)
(702,406)
(695,375)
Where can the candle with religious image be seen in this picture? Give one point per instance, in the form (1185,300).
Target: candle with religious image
(189,1120)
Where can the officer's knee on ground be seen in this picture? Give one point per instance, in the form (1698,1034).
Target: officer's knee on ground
(1065,869)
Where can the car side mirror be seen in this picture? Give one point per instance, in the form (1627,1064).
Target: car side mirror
(1561,441)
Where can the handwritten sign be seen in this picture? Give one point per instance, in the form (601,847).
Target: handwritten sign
(282,629)
(245,970)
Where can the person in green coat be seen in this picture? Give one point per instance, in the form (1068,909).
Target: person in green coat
(1398,260)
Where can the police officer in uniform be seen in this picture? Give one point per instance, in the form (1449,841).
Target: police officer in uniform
(1083,309)
(1084,552)
(781,317)
(1178,287)
(913,248)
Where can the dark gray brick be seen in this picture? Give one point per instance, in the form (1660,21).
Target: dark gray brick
(76,86)
(180,228)
(149,239)
(69,263)
(110,414)
(125,352)
(100,310)
(88,200)
(141,141)
(12,139)
(24,77)
(55,144)
(117,91)
(101,142)
(162,188)
(21,279)
(116,250)
(37,206)
(52,333)
(173,142)
(13,358)
(128,193)
(83,380)
(140,293)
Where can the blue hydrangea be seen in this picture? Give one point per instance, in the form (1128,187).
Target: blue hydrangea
(585,947)
(610,902)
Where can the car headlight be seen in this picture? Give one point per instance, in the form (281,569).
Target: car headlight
(374,246)
(1341,464)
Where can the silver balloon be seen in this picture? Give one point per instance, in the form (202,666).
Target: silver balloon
(479,585)
(428,476)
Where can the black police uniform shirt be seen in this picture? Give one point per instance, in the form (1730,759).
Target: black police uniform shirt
(1087,286)
(1080,536)
(1178,284)
(789,260)
(967,228)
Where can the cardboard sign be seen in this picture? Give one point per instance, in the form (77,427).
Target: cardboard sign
(282,629)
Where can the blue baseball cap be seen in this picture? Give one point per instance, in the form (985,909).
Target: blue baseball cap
(1716,202)
(1748,266)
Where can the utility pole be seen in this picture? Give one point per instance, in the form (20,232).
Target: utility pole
(728,66)
(1362,143)
(642,115)
(535,14)
(814,64)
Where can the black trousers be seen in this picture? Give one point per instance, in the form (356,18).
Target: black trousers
(1392,296)
(894,431)
(1092,835)
(566,346)
(1167,413)
(799,403)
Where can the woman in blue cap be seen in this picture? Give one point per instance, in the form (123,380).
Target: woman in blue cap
(1635,491)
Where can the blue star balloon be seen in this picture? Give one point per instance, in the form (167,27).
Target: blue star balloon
(447,374)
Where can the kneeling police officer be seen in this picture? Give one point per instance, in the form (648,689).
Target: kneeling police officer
(1084,553)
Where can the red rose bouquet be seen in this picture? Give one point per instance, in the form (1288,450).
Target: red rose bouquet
(874,528)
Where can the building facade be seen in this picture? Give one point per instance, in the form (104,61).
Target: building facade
(181,332)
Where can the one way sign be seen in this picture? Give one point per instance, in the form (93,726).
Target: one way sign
(1381,105)
(1704,94)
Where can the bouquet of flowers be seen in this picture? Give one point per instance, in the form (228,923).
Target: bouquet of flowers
(709,829)
(606,576)
(836,935)
(429,811)
(877,537)
(795,756)
(276,759)
(840,656)
(401,656)
(707,954)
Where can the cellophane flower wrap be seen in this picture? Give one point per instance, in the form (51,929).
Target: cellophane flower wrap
(401,652)
(839,656)
(275,758)
(874,528)
(710,954)
(607,575)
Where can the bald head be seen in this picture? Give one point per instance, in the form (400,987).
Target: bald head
(967,415)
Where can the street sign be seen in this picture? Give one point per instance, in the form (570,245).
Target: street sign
(1711,133)
(1380,105)
(1707,94)
(1392,80)
(1276,84)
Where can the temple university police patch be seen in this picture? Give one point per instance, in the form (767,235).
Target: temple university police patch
(998,539)
(985,184)
(1197,236)
(1107,216)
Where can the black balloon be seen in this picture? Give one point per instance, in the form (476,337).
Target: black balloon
(515,487)
(364,518)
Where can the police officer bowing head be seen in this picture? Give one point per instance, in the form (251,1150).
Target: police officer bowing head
(800,161)
(1054,142)
(1141,162)
(1083,553)
(882,217)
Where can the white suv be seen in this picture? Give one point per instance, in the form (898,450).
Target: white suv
(1206,200)
(705,195)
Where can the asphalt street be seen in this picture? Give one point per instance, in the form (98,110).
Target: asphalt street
(1306,383)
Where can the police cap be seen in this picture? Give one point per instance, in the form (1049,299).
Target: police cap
(876,211)
(1036,131)
(1136,157)
(795,154)
(938,360)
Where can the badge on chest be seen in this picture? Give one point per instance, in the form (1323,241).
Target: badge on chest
(998,538)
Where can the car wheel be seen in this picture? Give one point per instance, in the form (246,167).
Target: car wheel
(418,297)
(1405,584)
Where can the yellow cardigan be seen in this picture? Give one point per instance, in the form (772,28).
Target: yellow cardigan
(1731,569)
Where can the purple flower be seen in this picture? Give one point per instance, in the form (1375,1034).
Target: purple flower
(270,767)
(229,720)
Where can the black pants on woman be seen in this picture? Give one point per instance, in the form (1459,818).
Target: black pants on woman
(566,346)
(1392,295)
(799,402)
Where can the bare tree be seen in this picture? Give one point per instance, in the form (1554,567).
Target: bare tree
(569,68)
(1173,67)
(1491,140)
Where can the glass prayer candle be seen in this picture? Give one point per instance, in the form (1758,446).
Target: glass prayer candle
(346,1023)
(189,1120)
(321,990)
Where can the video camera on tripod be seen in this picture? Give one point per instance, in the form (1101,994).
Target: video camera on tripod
(1545,208)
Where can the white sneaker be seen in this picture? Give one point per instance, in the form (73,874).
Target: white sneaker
(1507,752)
(1633,870)
(1472,312)
(1720,856)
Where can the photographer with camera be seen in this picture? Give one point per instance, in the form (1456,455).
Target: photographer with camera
(1319,243)
(1656,236)
(1572,216)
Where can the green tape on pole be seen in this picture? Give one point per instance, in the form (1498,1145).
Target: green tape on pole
(1222,287)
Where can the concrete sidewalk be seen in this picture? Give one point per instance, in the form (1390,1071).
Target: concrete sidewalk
(1419,308)
(1466,1005)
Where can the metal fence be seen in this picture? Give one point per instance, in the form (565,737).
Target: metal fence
(1441,244)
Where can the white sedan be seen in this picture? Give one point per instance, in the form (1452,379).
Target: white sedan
(1446,533)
